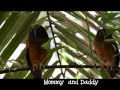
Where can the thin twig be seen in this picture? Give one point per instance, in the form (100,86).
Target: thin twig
(53,67)
(14,70)
(54,40)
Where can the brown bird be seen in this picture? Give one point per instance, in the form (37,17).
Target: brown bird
(106,51)
(35,54)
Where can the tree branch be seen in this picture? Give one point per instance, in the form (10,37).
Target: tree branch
(53,67)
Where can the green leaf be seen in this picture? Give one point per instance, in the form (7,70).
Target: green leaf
(84,72)
(58,76)
(72,73)
(104,74)
(46,45)
(49,72)
(58,15)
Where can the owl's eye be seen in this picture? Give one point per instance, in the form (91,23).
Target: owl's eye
(101,33)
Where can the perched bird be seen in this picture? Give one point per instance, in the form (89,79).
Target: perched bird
(35,54)
(106,51)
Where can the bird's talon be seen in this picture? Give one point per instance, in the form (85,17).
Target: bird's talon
(35,67)
(40,66)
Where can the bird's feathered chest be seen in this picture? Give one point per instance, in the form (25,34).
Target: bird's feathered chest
(105,50)
(38,54)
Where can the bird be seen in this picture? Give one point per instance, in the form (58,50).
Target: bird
(36,55)
(106,51)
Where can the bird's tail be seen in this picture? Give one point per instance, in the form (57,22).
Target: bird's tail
(112,72)
(37,74)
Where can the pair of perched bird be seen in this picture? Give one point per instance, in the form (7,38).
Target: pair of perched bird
(36,55)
